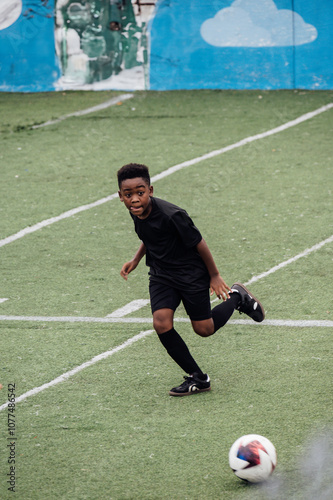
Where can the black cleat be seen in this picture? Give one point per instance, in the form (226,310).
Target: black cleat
(192,385)
(249,304)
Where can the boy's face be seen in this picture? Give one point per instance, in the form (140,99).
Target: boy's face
(136,193)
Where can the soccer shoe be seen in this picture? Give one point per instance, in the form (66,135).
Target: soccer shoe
(192,385)
(249,304)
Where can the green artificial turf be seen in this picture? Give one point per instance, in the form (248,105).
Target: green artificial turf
(111,431)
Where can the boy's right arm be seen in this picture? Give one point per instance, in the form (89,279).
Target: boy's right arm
(128,267)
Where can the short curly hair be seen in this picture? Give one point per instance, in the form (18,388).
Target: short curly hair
(131,171)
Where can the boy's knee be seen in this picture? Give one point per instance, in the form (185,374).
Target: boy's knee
(162,323)
(203,328)
(203,332)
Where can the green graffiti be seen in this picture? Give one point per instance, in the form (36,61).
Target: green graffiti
(98,39)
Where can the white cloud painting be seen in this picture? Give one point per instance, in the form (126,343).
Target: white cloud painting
(256,23)
(10,11)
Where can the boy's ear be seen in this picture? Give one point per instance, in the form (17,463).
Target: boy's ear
(151,190)
(120,196)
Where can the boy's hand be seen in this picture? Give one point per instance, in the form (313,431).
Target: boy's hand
(127,268)
(219,286)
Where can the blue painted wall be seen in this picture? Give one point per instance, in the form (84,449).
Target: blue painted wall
(28,62)
(193,44)
(239,44)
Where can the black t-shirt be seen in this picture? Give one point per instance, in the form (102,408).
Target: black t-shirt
(170,238)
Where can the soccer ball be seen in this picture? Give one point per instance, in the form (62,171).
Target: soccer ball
(252,458)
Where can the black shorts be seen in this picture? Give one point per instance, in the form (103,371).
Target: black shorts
(197,304)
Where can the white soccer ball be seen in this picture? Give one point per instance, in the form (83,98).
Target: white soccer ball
(252,458)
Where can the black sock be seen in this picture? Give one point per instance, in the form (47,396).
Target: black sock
(179,352)
(222,312)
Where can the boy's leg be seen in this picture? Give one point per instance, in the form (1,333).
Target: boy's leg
(205,321)
(164,301)
(240,299)
(163,320)
(172,341)
(220,315)
(223,311)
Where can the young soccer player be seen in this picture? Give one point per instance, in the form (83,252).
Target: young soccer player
(182,269)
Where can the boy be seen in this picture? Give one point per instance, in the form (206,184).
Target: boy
(182,268)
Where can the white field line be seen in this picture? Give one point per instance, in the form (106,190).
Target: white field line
(135,305)
(91,319)
(2,300)
(243,142)
(287,262)
(165,173)
(127,343)
(117,317)
(93,109)
(52,220)
(77,369)
(301,323)
(291,260)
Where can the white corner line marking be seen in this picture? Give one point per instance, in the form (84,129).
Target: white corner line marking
(285,263)
(135,305)
(243,142)
(77,369)
(2,300)
(165,173)
(132,340)
(291,260)
(293,323)
(52,220)
(93,109)
(313,323)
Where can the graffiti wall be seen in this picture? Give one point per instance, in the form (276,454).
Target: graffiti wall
(165,44)
(102,43)
(73,44)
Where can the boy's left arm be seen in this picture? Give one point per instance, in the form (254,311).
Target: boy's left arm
(217,283)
